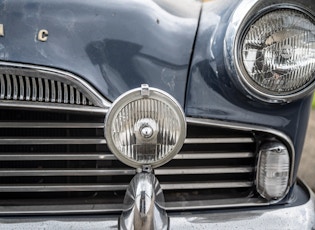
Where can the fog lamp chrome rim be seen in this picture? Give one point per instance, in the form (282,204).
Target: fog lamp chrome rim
(145,126)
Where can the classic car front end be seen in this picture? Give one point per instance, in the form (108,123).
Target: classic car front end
(155,114)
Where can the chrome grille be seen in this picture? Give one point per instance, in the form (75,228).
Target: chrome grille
(23,88)
(55,161)
(54,158)
(39,86)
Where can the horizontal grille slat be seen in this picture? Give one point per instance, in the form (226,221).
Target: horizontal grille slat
(61,208)
(55,125)
(117,207)
(208,170)
(67,172)
(106,172)
(109,156)
(207,204)
(54,156)
(61,187)
(196,155)
(207,185)
(215,140)
(116,187)
(51,141)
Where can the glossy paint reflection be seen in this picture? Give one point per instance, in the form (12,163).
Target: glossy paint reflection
(115,45)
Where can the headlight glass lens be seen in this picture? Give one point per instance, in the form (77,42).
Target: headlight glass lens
(145,130)
(278,52)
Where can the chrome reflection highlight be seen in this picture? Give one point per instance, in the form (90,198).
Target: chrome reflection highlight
(144,204)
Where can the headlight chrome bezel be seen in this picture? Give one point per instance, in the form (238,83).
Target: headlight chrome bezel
(244,16)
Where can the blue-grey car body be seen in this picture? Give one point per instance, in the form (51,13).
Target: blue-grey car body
(118,45)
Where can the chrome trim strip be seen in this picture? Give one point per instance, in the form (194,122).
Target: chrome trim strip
(62,187)
(61,209)
(78,97)
(191,155)
(110,156)
(55,156)
(46,83)
(59,92)
(41,90)
(8,86)
(53,91)
(201,170)
(55,74)
(218,140)
(34,89)
(116,187)
(53,125)
(71,95)
(15,87)
(52,106)
(218,203)
(2,89)
(207,185)
(65,93)
(51,141)
(28,89)
(107,208)
(66,172)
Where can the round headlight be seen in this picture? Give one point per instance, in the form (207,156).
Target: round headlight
(145,126)
(276,55)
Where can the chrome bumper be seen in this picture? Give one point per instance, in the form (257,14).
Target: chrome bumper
(299,216)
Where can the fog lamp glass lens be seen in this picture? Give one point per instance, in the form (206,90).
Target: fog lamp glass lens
(273,171)
(278,52)
(145,130)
